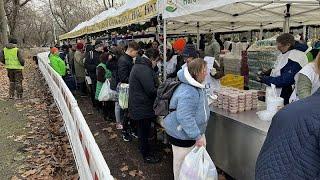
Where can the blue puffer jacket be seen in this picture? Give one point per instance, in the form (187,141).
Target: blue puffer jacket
(189,121)
(291,150)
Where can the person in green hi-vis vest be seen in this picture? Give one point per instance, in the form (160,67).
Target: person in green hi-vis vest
(57,63)
(11,57)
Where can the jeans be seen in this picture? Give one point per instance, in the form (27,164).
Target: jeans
(117,110)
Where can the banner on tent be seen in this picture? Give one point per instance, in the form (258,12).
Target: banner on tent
(89,160)
(176,8)
(143,12)
(135,15)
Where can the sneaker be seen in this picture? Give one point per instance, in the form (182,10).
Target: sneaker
(119,126)
(151,159)
(126,137)
(133,134)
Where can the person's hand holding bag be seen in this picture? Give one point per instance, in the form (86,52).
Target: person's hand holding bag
(201,142)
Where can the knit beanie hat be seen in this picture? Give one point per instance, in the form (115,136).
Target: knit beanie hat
(79,46)
(190,51)
(54,50)
(179,44)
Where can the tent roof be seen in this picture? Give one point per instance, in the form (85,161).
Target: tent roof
(302,12)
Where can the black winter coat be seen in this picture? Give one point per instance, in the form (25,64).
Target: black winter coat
(113,67)
(143,90)
(91,63)
(125,64)
(291,150)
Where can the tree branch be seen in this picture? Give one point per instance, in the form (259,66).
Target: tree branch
(24,3)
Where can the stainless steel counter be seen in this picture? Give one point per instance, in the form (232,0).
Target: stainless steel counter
(235,140)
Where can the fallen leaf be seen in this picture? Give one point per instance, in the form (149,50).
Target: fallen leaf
(14,178)
(167,150)
(109,129)
(140,173)
(28,173)
(133,173)
(124,168)
(113,136)
(8,137)
(96,134)
(19,138)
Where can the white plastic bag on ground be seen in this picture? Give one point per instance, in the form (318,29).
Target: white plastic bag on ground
(107,94)
(198,165)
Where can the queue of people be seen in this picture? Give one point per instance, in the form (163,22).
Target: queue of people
(187,120)
(140,69)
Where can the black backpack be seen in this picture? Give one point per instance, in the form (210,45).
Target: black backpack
(164,94)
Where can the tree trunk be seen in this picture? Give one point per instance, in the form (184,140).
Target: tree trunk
(4,23)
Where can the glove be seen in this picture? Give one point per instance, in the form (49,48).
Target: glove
(260,78)
(213,72)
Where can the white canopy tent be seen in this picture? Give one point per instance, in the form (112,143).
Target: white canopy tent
(238,15)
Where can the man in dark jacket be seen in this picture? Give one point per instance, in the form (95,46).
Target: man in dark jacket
(125,64)
(142,94)
(91,63)
(292,147)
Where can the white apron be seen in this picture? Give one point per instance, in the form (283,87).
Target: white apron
(282,60)
(310,71)
(211,83)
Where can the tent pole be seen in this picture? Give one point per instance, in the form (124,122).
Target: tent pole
(305,33)
(286,26)
(164,49)
(198,36)
(261,32)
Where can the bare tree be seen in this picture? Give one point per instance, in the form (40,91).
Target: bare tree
(12,10)
(4,23)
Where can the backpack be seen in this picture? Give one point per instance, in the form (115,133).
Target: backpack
(164,95)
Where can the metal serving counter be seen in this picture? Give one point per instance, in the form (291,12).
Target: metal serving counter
(235,140)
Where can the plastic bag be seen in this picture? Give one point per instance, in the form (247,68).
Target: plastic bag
(107,94)
(198,165)
(123,95)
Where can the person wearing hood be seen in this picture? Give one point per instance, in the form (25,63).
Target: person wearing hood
(142,94)
(11,57)
(187,122)
(288,64)
(91,62)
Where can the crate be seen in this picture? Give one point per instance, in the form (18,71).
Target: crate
(231,80)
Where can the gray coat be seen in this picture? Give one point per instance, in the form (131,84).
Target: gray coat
(79,66)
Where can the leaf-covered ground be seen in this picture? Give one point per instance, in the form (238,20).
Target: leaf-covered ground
(32,146)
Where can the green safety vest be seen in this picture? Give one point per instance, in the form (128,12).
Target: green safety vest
(58,64)
(107,75)
(11,59)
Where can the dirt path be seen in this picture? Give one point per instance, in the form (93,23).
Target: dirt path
(31,145)
(11,124)
(123,158)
